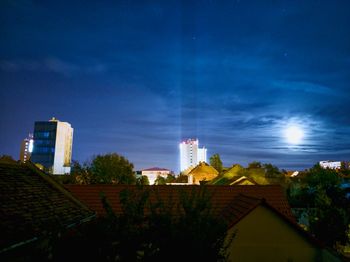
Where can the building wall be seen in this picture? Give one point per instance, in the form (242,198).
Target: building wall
(53,146)
(202,154)
(330,164)
(152,175)
(44,144)
(26,149)
(202,176)
(63,148)
(190,154)
(263,236)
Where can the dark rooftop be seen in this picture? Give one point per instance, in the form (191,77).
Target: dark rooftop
(32,204)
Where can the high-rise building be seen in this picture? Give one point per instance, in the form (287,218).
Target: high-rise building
(53,146)
(190,154)
(202,154)
(26,148)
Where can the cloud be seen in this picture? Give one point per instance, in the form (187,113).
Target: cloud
(306,87)
(53,65)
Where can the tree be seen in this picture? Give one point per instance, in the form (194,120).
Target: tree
(112,169)
(254,164)
(160,181)
(272,171)
(181,179)
(148,229)
(82,173)
(170,178)
(142,180)
(216,162)
(152,235)
(320,189)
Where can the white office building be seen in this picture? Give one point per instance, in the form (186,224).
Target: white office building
(53,142)
(202,154)
(191,154)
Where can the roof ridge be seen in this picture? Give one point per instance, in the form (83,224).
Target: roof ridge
(55,184)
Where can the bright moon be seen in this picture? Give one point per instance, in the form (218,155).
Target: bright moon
(294,135)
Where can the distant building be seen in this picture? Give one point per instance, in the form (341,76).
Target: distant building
(53,146)
(202,154)
(330,164)
(153,173)
(26,148)
(202,173)
(190,154)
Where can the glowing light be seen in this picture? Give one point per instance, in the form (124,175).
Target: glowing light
(294,134)
(31,145)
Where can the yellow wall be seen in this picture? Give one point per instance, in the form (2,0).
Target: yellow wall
(263,236)
(202,176)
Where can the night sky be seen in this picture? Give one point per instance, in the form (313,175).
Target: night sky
(137,77)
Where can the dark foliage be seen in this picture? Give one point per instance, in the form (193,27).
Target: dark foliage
(215,161)
(319,190)
(104,169)
(150,231)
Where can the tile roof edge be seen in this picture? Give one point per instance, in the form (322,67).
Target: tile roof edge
(250,209)
(56,185)
(19,244)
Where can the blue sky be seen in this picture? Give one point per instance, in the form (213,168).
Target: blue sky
(137,77)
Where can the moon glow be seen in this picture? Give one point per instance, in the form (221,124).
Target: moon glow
(294,135)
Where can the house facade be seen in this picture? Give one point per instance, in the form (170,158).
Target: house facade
(153,173)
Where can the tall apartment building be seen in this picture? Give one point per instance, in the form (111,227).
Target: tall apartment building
(53,142)
(190,154)
(26,149)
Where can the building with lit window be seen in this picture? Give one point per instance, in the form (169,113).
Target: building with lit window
(26,149)
(191,154)
(330,164)
(53,142)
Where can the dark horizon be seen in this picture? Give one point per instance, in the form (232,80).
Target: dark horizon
(136,78)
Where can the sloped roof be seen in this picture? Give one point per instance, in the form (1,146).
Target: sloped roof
(243,179)
(222,196)
(239,207)
(203,167)
(32,204)
(188,170)
(203,171)
(242,205)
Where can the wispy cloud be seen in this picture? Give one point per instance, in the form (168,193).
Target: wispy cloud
(53,65)
(306,87)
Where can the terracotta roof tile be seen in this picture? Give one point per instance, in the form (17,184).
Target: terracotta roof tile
(30,204)
(222,196)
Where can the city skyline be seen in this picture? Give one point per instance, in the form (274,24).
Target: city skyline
(260,81)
